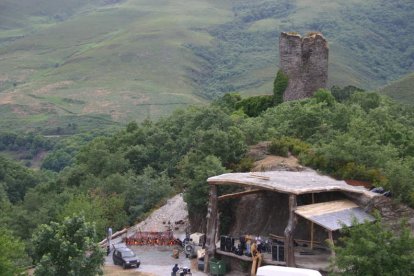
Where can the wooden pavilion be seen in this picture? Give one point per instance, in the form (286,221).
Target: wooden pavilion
(331,215)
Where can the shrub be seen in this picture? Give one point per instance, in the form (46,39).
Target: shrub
(367,101)
(279,147)
(313,159)
(282,146)
(324,96)
(279,86)
(245,165)
(297,146)
(371,249)
(229,100)
(253,106)
(343,94)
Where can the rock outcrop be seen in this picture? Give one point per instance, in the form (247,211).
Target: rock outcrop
(305,61)
(391,212)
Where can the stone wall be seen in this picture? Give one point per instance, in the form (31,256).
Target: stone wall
(305,61)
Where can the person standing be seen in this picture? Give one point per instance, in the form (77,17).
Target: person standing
(175,270)
(108,240)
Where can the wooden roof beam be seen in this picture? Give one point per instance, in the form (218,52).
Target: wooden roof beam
(240,194)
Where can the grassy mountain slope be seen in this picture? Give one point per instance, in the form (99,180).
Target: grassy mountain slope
(401,90)
(27,15)
(95,62)
(113,63)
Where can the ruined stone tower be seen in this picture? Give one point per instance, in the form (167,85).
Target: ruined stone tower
(305,62)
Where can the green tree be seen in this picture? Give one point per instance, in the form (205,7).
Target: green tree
(146,191)
(99,159)
(367,101)
(400,175)
(343,94)
(12,255)
(67,248)
(17,179)
(90,207)
(279,86)
(227,145)
(324,96)
(370,249)
(254,106)
(228,101)
(195,172)
(103,210)
(56,161)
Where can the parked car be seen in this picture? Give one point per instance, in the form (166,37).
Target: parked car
(125,257)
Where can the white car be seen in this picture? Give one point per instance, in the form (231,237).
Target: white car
(272,270)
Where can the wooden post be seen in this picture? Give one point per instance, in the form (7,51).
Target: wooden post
(289,245)
(332,242)
(211,227)
(312,231)
(312,225)
(217,235)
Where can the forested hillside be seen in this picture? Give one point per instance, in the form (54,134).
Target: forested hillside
(69,66)
(109,107)
(116,180)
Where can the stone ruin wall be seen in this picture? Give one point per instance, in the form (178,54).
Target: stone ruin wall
(305,61)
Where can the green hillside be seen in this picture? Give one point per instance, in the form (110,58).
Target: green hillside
(401,90)
(93,63)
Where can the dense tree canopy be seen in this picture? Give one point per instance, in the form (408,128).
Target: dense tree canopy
(67,248)
(117,179)
(12,255)
(371,249)
(16,179)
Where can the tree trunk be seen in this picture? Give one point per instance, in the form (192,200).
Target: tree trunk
(211,227)
(289,244)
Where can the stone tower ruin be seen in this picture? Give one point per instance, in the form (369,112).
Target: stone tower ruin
(305,61)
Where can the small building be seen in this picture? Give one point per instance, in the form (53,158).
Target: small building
(325,206)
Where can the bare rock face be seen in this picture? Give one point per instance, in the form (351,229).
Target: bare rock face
(305,61)
(268,213)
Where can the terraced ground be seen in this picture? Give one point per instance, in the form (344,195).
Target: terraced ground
(66,66)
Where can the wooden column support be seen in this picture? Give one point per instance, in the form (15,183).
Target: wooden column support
(211,227)
(330,236)
(289,245)
(312,225)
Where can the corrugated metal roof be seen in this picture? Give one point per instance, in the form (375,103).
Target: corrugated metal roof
(302,182)
(334,215)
